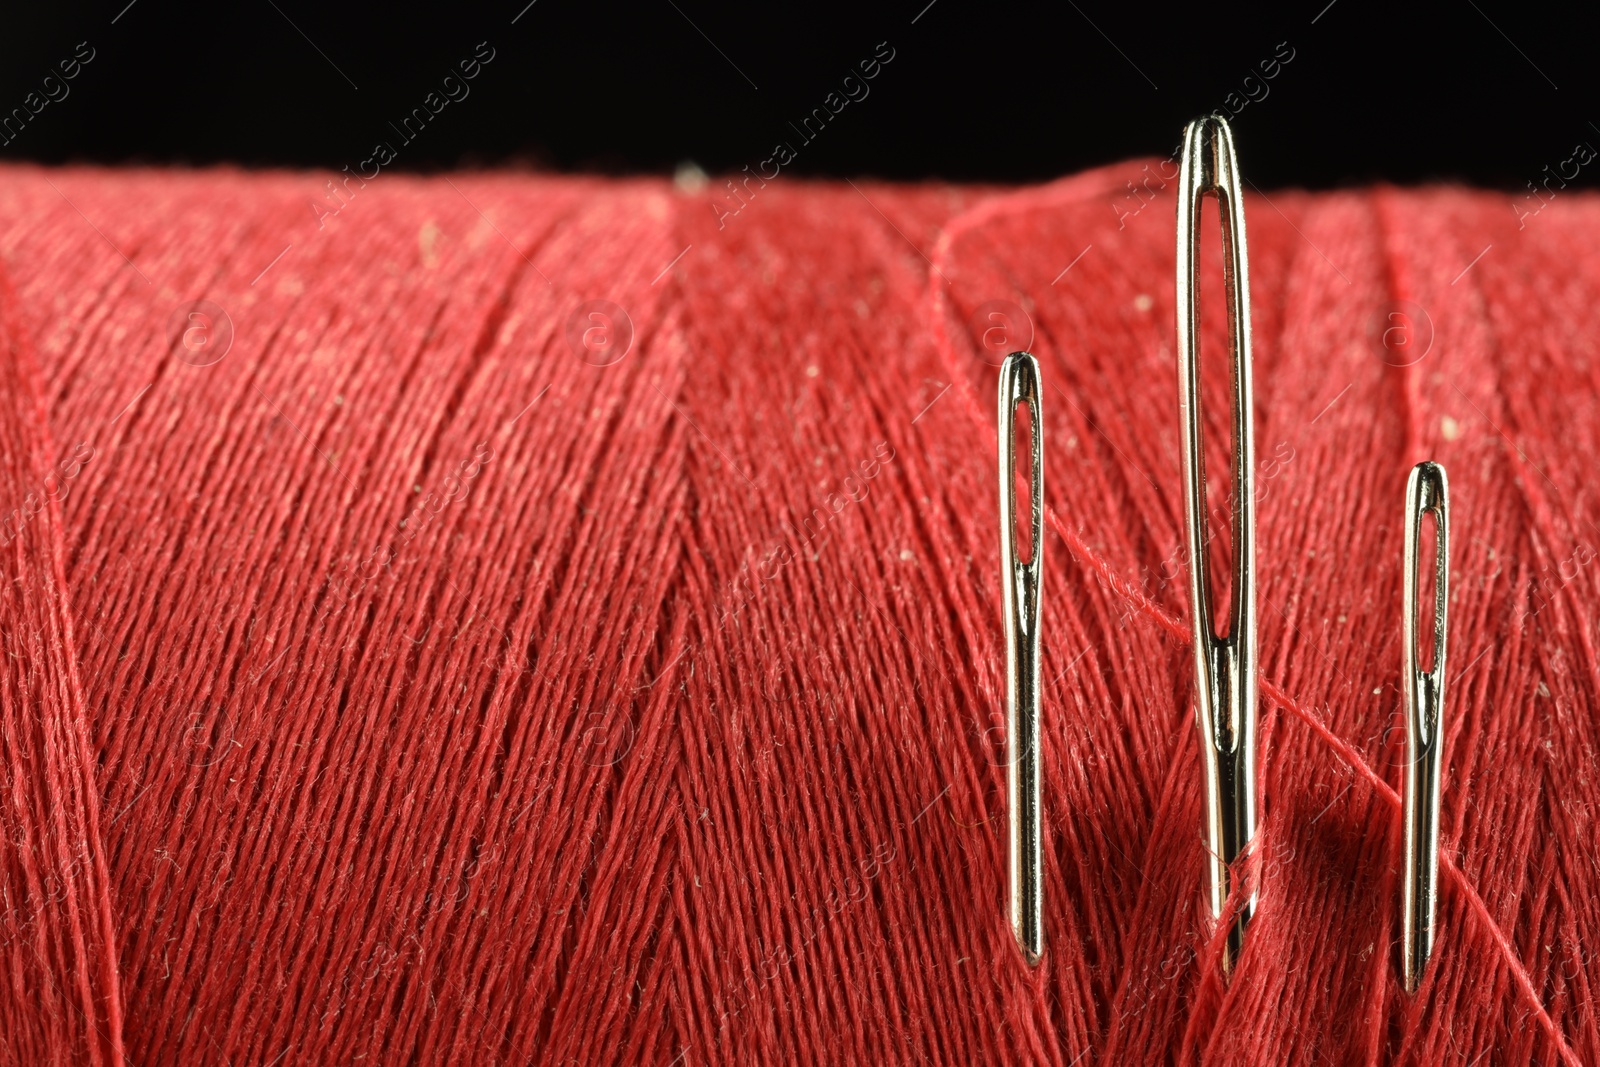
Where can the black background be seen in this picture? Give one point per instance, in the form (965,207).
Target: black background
(1485,91)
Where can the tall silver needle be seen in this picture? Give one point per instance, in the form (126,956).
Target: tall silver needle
(1225,667)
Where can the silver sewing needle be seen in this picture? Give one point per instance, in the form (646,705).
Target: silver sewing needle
(1019,579)
(1427,492)
(1225,667)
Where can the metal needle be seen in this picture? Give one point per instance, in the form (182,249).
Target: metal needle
(1427,492)
(1225,667)
(1019,578)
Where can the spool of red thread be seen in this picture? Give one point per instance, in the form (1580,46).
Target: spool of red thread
(521,622)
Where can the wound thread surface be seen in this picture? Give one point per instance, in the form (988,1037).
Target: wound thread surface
(558,629)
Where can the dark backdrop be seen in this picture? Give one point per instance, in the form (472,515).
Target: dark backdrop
(1487,91)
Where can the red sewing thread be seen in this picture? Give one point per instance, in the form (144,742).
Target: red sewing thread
(519,622)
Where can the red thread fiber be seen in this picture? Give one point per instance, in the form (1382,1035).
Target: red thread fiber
(402,688)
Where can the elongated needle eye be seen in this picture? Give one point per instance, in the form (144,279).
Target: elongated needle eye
(1427,494)
(1225,667)
(1019,580)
